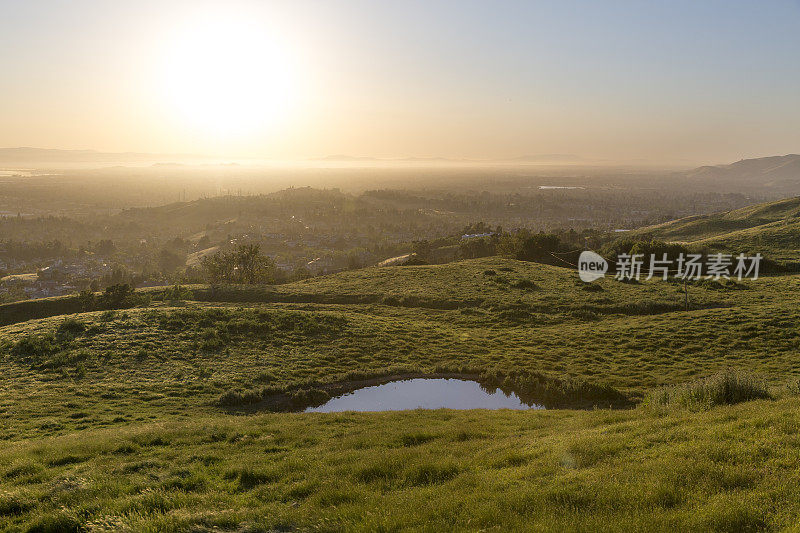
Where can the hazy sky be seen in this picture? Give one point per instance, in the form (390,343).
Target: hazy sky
(696,80)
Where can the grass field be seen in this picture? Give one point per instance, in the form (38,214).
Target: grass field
(154,417)
(728,469)
(772,229)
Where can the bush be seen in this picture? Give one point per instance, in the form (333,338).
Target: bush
(87,300)
(233,398)
(524,284)
(177,292)
(724,388)
(35,346)
(70,328)
(121,296)
(309,397)
(536,388)
(65,359)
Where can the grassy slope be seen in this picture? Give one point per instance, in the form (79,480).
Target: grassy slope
(729,469)
(772,228)
(112,412)
(135,364)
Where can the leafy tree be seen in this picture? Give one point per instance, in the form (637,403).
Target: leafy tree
(422,249)
(301,273)
(477,247)
(245,264)
(169,261)
(120,296)
(115,296)
(526,246)
(646,247)
(105,247)
(87,300)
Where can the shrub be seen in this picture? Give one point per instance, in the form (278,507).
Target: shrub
(177,292)
(70,327)
(233,398)
(87,300)
(309,397)
(724,388)
(35,346)
(536,388)
(121,296)
(524,284)
(265,377)
(22,470)
(65,359)
(585,314)
(591,287)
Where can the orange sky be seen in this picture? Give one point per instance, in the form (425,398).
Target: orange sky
(607,80)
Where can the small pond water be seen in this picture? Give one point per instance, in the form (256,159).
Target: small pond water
(424,393)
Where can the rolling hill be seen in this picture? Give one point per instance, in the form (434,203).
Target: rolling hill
(770,171)
(772,228)
(766,176)
(166,416)
(178,356)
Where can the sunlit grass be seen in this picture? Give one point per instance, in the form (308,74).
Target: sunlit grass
(115,419)
(730,468)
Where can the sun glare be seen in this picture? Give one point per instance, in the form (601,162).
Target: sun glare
(226,77)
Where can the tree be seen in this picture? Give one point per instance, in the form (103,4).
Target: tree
(477,247)
(301,273)
(169,261)
(119,296)
(246,265)
(105,247)
(422,249)
(525,246)
(539,247)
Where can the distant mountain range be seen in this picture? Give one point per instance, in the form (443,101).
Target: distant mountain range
(776,173)
(767,171)
(550,158)
(49,156)
(541,158)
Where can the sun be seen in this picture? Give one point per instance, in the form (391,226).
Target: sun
(227,77)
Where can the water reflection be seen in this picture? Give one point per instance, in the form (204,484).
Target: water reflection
(424,393)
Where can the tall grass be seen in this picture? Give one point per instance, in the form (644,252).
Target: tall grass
(725,388)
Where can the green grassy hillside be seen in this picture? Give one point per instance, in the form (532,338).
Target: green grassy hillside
(517,288)
(153,417)
(489,315)
(773,229)
(729,469)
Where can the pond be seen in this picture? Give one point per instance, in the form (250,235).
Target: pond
(423,393)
